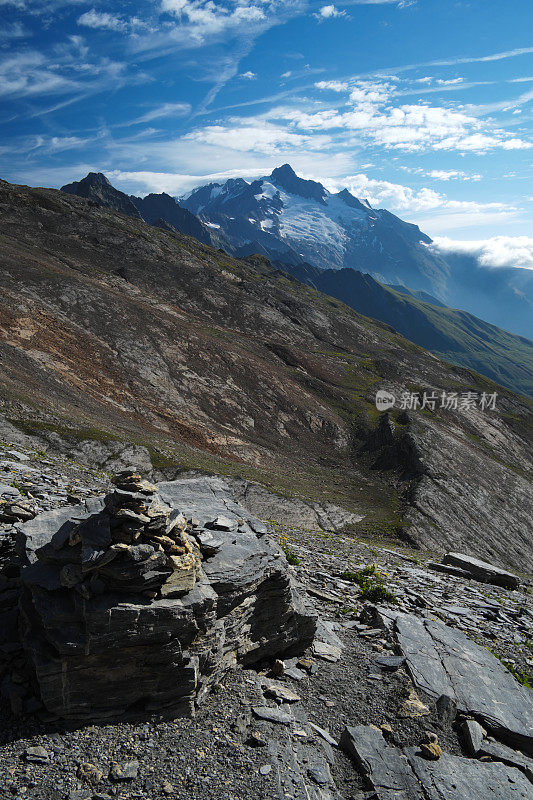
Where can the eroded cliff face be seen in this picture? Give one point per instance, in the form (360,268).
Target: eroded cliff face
(112,329)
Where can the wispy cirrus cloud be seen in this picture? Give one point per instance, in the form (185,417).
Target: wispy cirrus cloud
(163,111)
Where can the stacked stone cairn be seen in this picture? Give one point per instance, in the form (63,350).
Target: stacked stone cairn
(146,548)
(128,608)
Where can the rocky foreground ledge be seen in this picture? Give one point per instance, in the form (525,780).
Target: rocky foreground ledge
(138,602)
(394,701)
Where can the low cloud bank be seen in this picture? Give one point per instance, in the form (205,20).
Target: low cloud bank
(498,251)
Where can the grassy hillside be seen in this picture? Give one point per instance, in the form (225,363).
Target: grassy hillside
(454,335)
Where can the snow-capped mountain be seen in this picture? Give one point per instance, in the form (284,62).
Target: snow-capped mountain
(293,220)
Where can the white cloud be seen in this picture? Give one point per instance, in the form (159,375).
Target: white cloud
(452,175)
(329,12)
(163,111)
(395,195)
(498,251)
(30,73)
(449,82)
(202,18)
(406,200)
(334,86)
(101,19)
(258,135)
(249,75)
(376,115)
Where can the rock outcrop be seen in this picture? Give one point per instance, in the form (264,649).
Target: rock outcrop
(482,570)
(445,662)
(142,605)
(403,774)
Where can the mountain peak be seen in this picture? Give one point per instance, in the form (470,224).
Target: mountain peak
(352,201)
(95,186)
(287,179)
(285,171)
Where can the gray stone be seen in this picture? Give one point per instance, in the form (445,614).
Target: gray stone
(499,752)
(209,542)
(280,692)
(265,769)
(36,755)
(7,491)
(324,734)
(444,661)
(472,736)
(327,652)
(257,526)
(295,673)
(119,644)
(446,709)
(401,774)
(221,523)
(390,663)
(319,773)
(272,715)
(17,455)
(38,532)
(124,772)
(482,570)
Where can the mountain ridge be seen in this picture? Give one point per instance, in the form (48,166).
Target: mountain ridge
(370,240)
(453,335)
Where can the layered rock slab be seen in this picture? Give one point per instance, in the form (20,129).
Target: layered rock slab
(115,637)
(402,774)
(444,661)
(481,570)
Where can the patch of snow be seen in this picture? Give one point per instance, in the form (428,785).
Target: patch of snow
(212,225)
(269,191)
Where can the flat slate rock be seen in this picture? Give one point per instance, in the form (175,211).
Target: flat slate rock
(272,715)
(482,570)
(39,532)
(500,752)
(444,661)
(390,663)
(402,774)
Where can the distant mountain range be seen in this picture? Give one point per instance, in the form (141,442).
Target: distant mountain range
(293,220)
(319,238)
(456,336)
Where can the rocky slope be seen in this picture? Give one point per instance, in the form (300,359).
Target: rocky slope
(408,697)
(114,330)
(241,207)
(453,335)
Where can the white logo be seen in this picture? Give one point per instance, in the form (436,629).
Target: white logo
(384,400)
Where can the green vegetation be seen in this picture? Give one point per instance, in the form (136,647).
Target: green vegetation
(290,555)
(517,672)
(371,585)
(522,677)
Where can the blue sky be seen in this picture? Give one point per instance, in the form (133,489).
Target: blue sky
(422,106)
